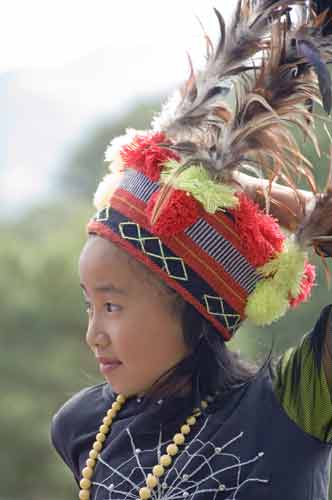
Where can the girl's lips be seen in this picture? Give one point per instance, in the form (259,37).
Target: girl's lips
(106,367)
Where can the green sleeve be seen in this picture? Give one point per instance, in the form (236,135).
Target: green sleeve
(301,386)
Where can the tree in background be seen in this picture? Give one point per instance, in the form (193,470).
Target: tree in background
(43,354)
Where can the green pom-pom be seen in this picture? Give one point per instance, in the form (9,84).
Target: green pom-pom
(287,269)
(197,182)
(266,303)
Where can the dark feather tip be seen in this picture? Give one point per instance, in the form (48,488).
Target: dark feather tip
(312,55)
(321,6)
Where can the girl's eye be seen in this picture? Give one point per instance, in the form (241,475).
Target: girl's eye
(112,307)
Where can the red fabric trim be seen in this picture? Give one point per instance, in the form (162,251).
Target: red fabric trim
(106,232)
(197,259)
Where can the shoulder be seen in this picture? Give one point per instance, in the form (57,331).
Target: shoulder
(301,385)
(76,417)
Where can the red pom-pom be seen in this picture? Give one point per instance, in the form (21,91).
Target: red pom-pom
(180,211)
(261,237)
(306,285)
(145,155)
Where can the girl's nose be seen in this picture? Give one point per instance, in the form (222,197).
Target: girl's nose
(95,336)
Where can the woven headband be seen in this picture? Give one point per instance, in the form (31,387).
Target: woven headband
(170,200)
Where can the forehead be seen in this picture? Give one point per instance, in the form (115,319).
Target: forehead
(102,261)
(103,266)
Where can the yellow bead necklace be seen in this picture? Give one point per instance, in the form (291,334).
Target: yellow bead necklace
(152,479)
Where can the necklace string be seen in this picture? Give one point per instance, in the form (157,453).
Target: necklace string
(158,470)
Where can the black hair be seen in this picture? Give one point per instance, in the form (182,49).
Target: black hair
(210,368)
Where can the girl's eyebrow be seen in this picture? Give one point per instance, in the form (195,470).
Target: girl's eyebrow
(108,288)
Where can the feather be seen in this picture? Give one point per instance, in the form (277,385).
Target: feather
(276,70)
(316,228)
(313,56)
(323,8)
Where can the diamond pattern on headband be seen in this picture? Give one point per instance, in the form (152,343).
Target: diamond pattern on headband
(215,307)
(103,215)
(153,247)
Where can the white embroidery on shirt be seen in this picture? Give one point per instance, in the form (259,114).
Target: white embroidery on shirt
(179,482)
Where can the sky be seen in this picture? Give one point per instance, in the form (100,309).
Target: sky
(56,58)
(45,33)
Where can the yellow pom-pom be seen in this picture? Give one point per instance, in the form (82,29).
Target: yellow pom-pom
(178,439)
(158,470)
(111,413)
(165,460)
(204,404)
(266,303)
(144,493)
(286,269)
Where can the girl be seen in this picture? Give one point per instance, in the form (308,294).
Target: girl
(179,254)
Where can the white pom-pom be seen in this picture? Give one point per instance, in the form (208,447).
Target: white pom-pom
(105,190)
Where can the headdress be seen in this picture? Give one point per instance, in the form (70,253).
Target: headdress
(172,199)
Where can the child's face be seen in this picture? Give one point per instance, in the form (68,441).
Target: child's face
(131,318)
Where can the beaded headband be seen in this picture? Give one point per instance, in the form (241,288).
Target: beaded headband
(170,199)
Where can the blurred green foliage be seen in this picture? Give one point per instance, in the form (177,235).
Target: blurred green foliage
(44,359)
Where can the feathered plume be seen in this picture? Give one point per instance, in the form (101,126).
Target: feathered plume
(316,227)
(287,70)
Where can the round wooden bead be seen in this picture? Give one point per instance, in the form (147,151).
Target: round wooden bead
(107,420)
(116,406)
(100,437)
(144,493)
(158,470)
(87,472)
(178,438)
(84,495)
(185,429)
(90,462)
(151,481)
(85,483)
(104,429)
(111,413)
(172,449)
(93,454)
(165,460)
(97,445)
(120,398)
(191,420)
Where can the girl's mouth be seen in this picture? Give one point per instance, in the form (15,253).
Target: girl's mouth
(106,367)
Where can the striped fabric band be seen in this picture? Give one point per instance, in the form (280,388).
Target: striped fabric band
(202,233)
(138,185)
(183,277)
(213,243)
